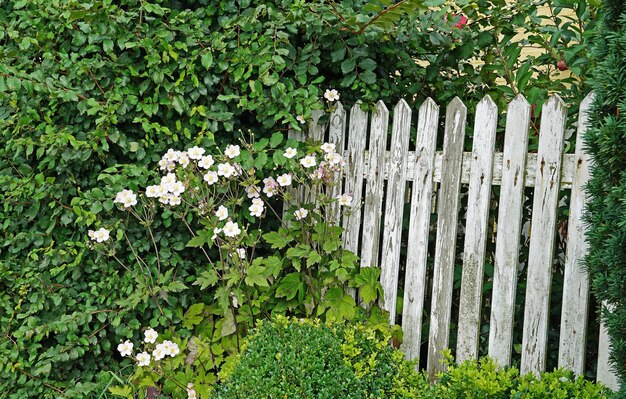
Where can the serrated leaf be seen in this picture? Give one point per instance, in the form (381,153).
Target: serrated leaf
(193,315)
(276,139)
(298,251)
(207,278)
(123,391)
(313,258)
(256,275)
(340,305)
(276,239)
(348,65)
(288,286)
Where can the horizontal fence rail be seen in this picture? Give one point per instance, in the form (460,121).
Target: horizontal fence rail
(383,177)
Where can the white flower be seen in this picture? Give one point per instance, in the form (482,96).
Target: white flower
(150,336)
(290,152)
(344,199)
(176,188)
(331,95)
(206,162)
(241,253)
(211,178)
(253,191)
(232,151)
(301,213)
(171,348)
(100,235)
(225,170)
(171,155)
(300,118)
(159,352)
(126,197)
(333,158)
(125,348)
(191,393)
(216,231)
(256,209)
(143,359)
(328,147)
(164,164)
(231,229)
(183,159)
(169,178)
(308,161)
(222,212)
(195,152)
(154,191)
(284,180)
(271,187)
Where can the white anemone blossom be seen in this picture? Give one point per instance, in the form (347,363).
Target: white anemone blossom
(222,212)
(100,235)
(232,151)
(231,229)
(143,359)
(125,348)
(290,153)
(308,161)
(150,336)
(331,95)
(195,152)
(301,213)
(126,197)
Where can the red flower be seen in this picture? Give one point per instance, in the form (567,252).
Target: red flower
(562,65)
(462,22)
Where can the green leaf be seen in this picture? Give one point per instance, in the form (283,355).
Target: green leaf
(348,65)
(273,265)
(368,77)
(367,281)
(175,286)
(289,285)
(207,278)
(107,45)
(313,258)
(340,305)
(228,325)
(207,60)
(193,315)
(298,251)
(256,275)
(276,139)
(260,160)
(124,391)
(276,239)
(179,104)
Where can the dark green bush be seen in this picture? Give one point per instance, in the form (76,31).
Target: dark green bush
(606,211)
(306,359)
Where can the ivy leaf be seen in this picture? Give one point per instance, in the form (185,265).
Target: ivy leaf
(340,305)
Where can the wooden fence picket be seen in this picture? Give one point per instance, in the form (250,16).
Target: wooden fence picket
(336,135)
(375,184)
(543,229)
(439,175)
(576,281)
(419,225)
(447,213)
(394,207)
(506,258)
(476,232)
(354,176)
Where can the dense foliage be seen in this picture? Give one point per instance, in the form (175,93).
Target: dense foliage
(93,92)
(306,358)
(606,142)
(313,360)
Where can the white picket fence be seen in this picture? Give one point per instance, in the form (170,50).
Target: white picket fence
(370,164)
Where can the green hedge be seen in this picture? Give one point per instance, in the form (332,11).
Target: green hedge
(298,359)
(606,143)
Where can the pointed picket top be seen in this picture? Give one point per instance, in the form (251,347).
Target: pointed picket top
(375,176)
(457,102)
(338,116)
(402,106)
(489,102)
(555,102)
(428,103)
(382,107)
(519,101)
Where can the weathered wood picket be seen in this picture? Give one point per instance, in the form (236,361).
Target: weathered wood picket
(436,180)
